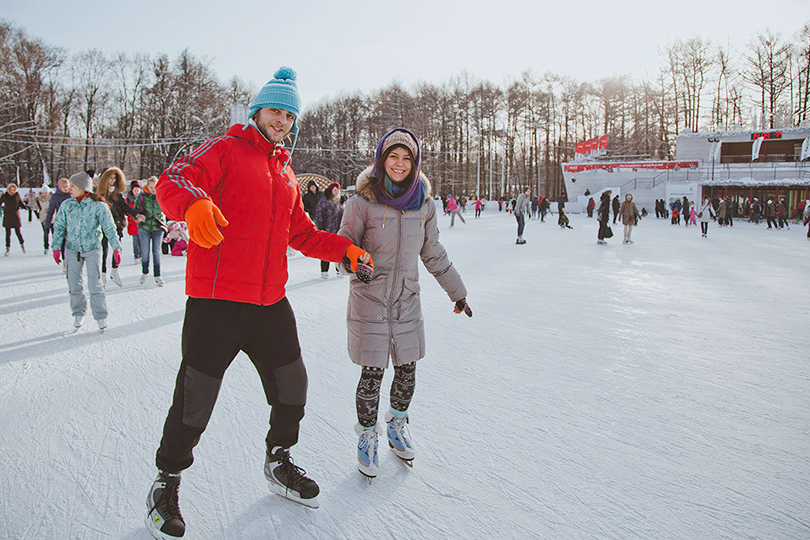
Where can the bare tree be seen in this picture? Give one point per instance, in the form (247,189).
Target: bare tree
(802,107)
(91,77)
(132,75)
(768,69)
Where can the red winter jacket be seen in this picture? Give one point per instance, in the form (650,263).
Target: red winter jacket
(132,225)
(241,173)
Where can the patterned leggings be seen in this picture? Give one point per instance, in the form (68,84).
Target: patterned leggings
(368,391)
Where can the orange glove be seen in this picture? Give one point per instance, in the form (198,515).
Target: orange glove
(354,254)
(202,218)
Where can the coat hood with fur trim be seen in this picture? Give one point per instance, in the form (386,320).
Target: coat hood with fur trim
(365,181)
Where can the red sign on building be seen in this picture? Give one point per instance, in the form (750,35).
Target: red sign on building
(766,135)
(647,165)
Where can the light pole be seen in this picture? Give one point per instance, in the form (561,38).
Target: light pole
(716,141)
(498,134)
(478,178)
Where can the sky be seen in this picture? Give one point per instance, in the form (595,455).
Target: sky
(365,45)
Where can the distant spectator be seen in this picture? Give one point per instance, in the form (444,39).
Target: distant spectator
(311,198)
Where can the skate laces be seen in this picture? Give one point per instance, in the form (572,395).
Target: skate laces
(168,504)
(294,475)
(366,444)
(398,427)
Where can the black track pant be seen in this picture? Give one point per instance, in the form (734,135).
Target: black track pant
(8,236)
(105,248)
(368,391)
(214,331)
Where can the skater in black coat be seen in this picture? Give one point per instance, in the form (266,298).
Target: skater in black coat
(12,202)
(604,216)
(311,199)
(616,206)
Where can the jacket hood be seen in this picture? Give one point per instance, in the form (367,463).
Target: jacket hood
(104,182)
(364,183)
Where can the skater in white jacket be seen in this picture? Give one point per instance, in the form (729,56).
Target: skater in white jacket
(705,215)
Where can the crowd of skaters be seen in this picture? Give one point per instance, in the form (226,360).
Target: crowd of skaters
(720,210)
(83,222)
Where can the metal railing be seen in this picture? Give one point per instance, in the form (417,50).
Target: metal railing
(661,178)
(759,171)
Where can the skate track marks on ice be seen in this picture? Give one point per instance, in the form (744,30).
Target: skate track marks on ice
(654,391)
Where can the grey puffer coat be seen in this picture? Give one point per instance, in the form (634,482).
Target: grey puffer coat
(384,318)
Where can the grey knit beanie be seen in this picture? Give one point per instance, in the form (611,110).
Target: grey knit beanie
(82,180)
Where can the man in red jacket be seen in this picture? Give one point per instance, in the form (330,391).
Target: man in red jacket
(241,202)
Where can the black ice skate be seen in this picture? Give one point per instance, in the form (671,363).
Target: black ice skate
(163,520)
(289,480)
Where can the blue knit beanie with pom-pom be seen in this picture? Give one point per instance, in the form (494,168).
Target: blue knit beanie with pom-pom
(281,92)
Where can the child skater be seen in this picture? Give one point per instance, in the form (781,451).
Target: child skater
(80,222)
(563,220)
(692,215)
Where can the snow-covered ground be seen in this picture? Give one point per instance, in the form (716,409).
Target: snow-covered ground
(653,391)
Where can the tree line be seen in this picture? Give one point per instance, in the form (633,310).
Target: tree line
(71,111)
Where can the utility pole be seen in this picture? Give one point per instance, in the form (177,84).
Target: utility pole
(478,178)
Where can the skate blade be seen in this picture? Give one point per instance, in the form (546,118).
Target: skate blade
(284,493)
(406,460)
(368,478)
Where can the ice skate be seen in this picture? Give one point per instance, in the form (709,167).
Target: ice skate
(143,278)
(22,247)
(78,320)
(288,480)
(398,439)
(325,275)
(368,461)
(102,324)
(7,251)
(163,519)
(104,279)
(115,277)
(159,281)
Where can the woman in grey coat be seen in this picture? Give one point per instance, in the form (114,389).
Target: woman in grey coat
(393,217)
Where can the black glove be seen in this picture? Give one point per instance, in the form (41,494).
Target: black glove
(462,306)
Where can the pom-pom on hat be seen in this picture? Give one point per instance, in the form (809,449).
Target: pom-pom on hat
(82,180)
(282,92)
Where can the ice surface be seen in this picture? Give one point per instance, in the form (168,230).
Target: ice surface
(653,391)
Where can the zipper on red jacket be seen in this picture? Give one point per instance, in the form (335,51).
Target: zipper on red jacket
(219,249)
(270,232)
